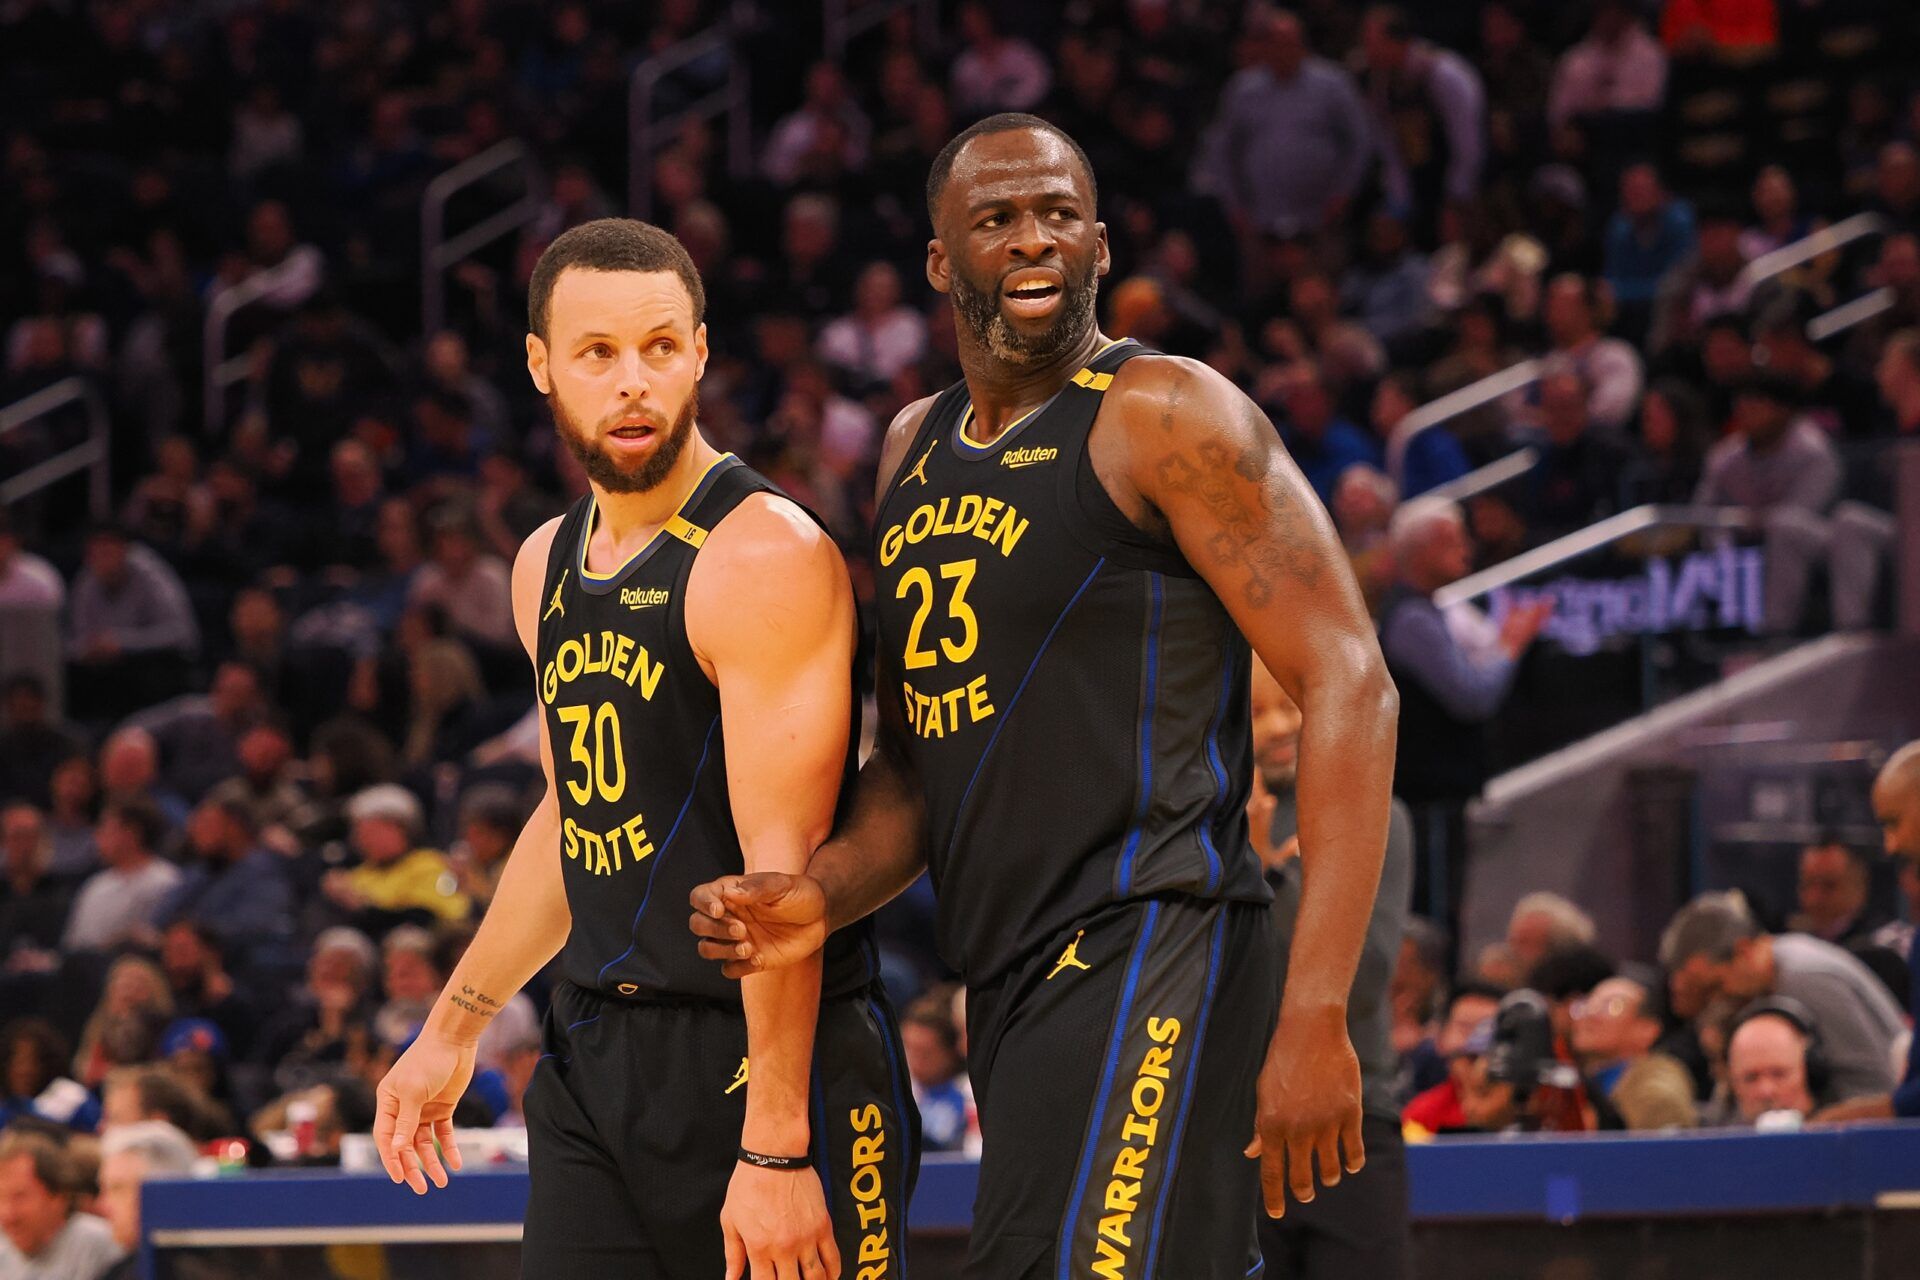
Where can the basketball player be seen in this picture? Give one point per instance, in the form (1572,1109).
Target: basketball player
(1075,545)
(692,635)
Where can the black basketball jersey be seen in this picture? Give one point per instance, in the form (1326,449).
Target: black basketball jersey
(639,757)
(1076,696)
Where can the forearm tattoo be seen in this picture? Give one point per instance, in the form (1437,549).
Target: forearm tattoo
(475,1002)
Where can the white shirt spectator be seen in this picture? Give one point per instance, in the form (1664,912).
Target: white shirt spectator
(82,1250)
(114,904)
(146,612)
(1596,76)
(29,582)
(1003,74)
(479,603)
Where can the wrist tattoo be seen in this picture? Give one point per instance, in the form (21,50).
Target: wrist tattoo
(480,997)
(470,1006)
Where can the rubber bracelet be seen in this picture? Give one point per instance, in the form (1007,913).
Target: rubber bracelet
(759,1161)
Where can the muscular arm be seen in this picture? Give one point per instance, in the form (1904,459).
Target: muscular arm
(515,943)
(1198,455)
(770,611)
(879,848)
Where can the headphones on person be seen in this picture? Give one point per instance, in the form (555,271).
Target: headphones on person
(1786,1008)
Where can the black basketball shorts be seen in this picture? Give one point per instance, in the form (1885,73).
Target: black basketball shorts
(1115,1076)
(633,1124)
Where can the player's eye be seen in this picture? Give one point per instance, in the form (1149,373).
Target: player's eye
(993,220)
(598,351)
(662,348)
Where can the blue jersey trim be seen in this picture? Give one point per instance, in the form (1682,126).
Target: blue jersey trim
(1147,708)
(1186,1098)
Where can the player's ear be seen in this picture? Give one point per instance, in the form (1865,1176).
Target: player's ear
(1103,253)
(939,270)
(537,365)
(700,352)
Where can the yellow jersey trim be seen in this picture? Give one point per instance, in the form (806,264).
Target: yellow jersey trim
(677,526)
(1084,378)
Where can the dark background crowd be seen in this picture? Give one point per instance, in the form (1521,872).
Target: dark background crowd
(266,733)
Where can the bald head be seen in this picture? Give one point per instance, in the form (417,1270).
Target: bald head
(1896,802)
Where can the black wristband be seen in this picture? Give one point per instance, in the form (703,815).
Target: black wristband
(759,1161)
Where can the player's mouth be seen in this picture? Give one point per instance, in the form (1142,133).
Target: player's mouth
(1033,293)
(633,433)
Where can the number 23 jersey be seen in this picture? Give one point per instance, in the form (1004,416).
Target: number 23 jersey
(639,757)
(1075,696)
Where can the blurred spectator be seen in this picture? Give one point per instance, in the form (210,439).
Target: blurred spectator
(128,1158)
(1518,74)
(467,582)
(1470,1010)
(1430,117)
(447,363)
(1769,1058)
(1619,69)
(445,688)
(233,888)
(133,630)
(1778,221)
(43,1236)
(881,336)
(1650,235)
(1832,895)
(33,905)
(1289,145)
(147,1094)
(36,1059)
(1576,311)
(27,581)
(1417,993)
(70,820)
(130,770)
(1363,504)
(1480,350)
(198,734)
(124,1028)
(1347,354)
(122,902)
(396,879)
(283,271)
(1784,469)
(1896,186)
(1713,948)
(1709,283)
(1615,1028)
(1577,478)
(327,1024)
(1546,924)
(412,978)
(827,120)
(1321,442)
(31,743)
(1363,1222)
(1838,400)
(196,970)
(938,1071)
(490,822)
(994,71)
(265,134)
(1446,693)
(1387,288)
(171,507)
(1673,446)
(263,781)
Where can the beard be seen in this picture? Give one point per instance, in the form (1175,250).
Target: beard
(610,475)
(979,310)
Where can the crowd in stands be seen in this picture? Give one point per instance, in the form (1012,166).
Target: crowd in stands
(265,738)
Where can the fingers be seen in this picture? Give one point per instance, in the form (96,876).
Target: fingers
(736,1251)
(429,1157)
(720,927)
(406,1124)
(383,1130)
(742,951)
(410,1170)
(449,1149)
(1273,1181)
(829,1254)
(1300,1166)
(706,898)
(1252,1151)
(1355,1144)
(1327,1149)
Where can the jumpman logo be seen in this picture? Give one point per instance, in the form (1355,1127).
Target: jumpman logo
(919,471)
(739,1076)
(557,605)
(1070,958)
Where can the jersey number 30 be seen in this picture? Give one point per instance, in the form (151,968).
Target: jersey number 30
(601,759)
(960,573)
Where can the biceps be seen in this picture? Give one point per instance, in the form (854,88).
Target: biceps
(786,745)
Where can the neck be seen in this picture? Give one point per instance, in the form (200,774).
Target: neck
(1002,392)
(629,520)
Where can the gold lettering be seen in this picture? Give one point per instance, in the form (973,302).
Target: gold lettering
(637,839)
(1137,1128)
(1007,533)
(1114,1227)
(873,1248)
(869,1150)
(865,1183)
(1163,1030)
(647,672)
(1123,1195)
(977,705)
(871,1211)
(890,543)
(1155,1063)
(569,832)
(570,650)
(1131,1162)
(1146,1087)
(549,684)
(940,524)
(967,514)
(622,648)
(1111,1264)
(917,527)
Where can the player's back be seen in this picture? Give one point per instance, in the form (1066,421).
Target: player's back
(1075,695)
(639,757)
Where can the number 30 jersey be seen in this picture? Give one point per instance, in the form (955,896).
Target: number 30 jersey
(639,757)
(1075,695)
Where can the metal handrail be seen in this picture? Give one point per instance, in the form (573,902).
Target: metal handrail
(438,252)
(1585,541)
(93,454)
(1491,476)
(1848,314)
(841,22)
(646,134)
(222,372)
(1808,247)
(1473,396)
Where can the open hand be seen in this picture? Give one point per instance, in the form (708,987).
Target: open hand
(1309,1105)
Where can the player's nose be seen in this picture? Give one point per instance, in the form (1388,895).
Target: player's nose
(1032,238)
(630,377)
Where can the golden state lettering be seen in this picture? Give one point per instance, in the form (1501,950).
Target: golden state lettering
(1139,1134)
(601,651)
(987,519)
(936,716)
(868,1187)
(601,853)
